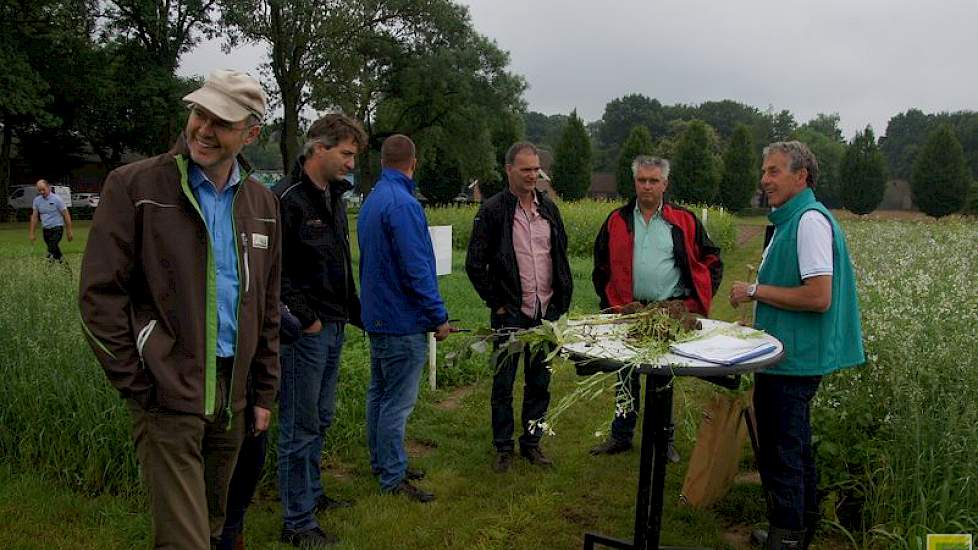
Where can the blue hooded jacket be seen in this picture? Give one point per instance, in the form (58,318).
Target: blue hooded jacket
(398,286)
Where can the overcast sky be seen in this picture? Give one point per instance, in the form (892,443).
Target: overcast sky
(865,59)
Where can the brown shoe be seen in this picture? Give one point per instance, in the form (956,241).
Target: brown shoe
(536,456)
(504,459)
(611,447)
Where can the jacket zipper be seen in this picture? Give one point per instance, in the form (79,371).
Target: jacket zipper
(143,336)
(247,269)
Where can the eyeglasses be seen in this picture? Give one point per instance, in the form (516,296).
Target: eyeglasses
(215,122)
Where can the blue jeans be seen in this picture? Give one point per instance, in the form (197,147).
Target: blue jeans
(782,406)
(307,400)
(396,362)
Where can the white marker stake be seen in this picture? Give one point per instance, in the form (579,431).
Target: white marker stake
(432,356)
(441,243)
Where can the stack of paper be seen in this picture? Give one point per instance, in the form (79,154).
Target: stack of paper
(723,350)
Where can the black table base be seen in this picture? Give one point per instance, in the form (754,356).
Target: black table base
(657,428)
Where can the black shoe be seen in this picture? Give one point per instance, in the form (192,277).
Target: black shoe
(611,447)
(536,456)
(504,459)
(784,539)
(672,454)
(310,538)
(414,493)
(325,503)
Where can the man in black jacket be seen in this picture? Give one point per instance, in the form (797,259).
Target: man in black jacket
(517,261)
(318,288)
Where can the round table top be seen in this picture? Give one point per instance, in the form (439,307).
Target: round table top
(603,348)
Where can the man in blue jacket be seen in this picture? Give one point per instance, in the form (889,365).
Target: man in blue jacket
(400,304)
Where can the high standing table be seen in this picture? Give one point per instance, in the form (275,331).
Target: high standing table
(657,418)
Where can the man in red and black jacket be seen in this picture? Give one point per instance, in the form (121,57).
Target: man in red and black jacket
(650,251)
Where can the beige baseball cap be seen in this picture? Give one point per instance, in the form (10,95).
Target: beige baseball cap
(231,95)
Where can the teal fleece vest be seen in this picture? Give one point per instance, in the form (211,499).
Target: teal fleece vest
(814,343)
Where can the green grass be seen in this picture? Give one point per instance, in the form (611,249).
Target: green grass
(896,438)
(69,478)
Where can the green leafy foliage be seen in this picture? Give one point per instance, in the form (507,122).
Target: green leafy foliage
(439,177)
(941,179)
(639,142)
(695,176)
(572,161)
(863,174)
(739,182)
(829,152)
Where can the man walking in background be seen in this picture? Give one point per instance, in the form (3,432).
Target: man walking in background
(401,304)
(517,262)
(318,288)
(55,220)
(806,297)
(650,251)
(179,301)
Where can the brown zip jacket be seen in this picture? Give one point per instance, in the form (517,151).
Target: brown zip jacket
(148,289)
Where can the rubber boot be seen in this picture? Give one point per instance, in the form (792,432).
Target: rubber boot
(784,539)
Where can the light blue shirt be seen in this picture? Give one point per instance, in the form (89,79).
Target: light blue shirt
(49,210)
(219,218)
(655,276)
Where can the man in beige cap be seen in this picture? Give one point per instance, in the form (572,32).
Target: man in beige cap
(179,300)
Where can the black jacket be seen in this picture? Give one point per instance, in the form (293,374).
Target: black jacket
(317,277)
(491,260)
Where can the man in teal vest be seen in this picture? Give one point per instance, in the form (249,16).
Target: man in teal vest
(805,295)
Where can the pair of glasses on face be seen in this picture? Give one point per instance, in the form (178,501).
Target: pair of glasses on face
(215,122)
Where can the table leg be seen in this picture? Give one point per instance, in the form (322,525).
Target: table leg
(643,498)
(661,427)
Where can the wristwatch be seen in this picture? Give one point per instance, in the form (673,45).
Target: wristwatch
(751,290)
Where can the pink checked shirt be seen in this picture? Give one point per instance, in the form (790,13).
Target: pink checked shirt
(531,242)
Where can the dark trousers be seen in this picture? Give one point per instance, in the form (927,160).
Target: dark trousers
(782,405)
(536,390)
(244,482)
(628,401)
(52,238)
(186,462)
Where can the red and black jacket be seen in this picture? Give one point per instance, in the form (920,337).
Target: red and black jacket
(697,258)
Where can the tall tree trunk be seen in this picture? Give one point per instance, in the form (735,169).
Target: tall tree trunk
(288,143)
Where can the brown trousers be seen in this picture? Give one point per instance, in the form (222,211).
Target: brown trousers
(187,461)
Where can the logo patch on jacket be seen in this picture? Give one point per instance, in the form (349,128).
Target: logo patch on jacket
(259,241)
(316,222)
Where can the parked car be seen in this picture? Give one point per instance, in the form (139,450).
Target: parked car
(83,200)
(22,196)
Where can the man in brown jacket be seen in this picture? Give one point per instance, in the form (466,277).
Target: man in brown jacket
(179,300)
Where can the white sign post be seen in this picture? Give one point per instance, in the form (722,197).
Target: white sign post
(441,242)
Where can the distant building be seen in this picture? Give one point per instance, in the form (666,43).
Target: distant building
(603,186)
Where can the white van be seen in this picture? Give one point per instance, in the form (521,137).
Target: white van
(22,196)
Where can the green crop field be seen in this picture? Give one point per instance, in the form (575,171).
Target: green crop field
(896,438)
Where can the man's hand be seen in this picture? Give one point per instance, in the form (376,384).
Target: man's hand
(71,235)
(262,418)
(443,331)
(501,311)
(315,328)
(32,236)
(738,293)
